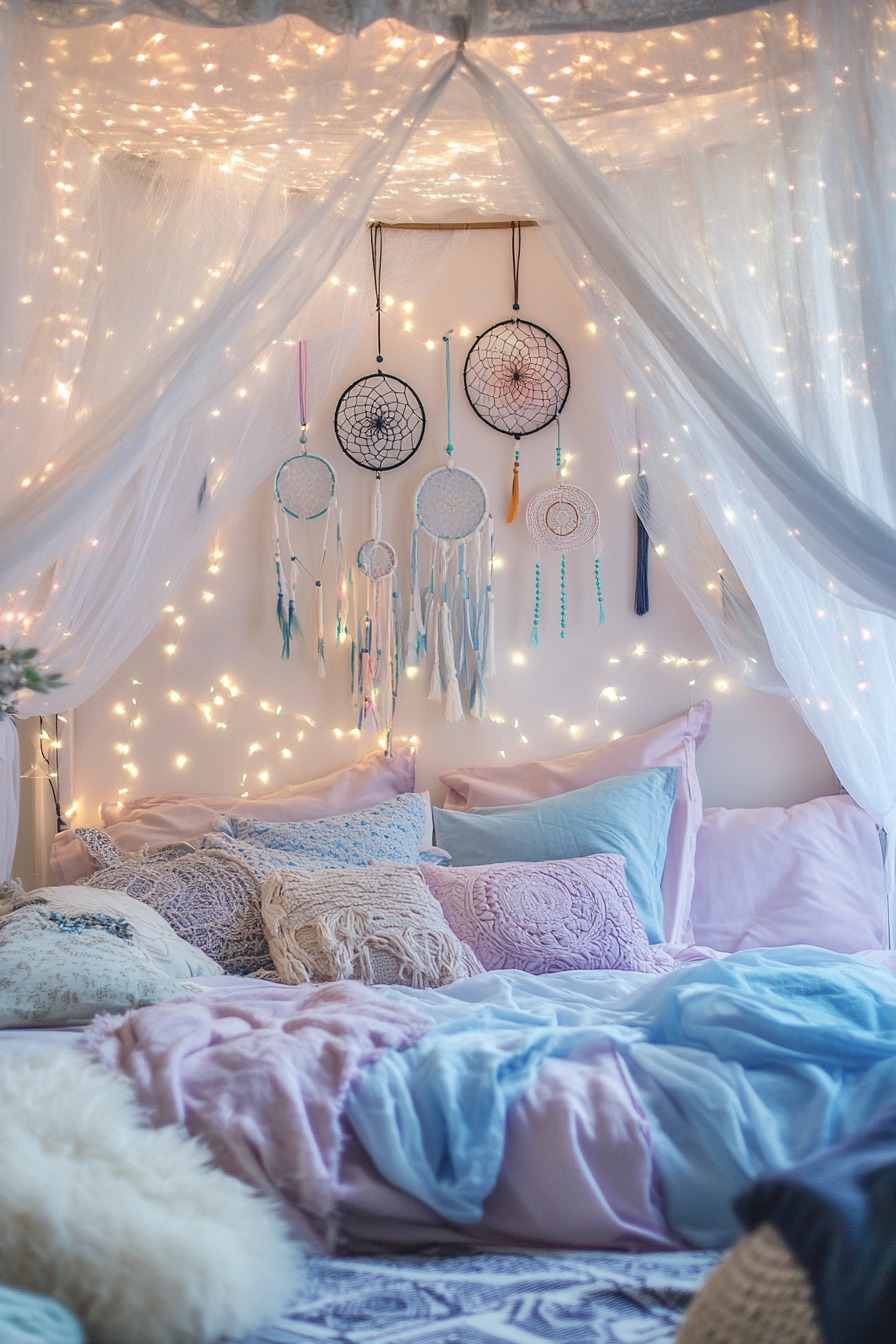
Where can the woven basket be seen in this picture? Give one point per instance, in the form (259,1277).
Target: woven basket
(759,1294)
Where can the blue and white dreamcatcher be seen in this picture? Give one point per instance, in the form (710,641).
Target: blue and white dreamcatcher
(379,424)
(452,606)
(563,518)
(304,490)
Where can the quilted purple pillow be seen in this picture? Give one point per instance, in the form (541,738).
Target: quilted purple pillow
(562,915)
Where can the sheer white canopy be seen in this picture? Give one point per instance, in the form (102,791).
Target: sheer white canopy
(177,199)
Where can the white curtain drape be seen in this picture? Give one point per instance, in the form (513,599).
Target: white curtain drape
(722,194)
(9,794)
(745,282)
(150,380)
(472,18)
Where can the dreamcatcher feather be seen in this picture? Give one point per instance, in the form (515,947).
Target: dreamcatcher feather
(451,621)
(563,518)
(379,424)
(516,375)
(305,490)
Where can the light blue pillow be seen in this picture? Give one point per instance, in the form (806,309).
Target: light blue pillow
(26,1318)
(391,832)
(627,815)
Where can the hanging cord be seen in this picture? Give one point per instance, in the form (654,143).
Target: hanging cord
(447,339)
(376,261)
(51,773)
(516,247)
(559,453)
(303,392)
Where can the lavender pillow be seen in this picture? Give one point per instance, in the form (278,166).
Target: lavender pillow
(562,915)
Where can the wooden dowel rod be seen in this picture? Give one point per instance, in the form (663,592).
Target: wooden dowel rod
(485,224)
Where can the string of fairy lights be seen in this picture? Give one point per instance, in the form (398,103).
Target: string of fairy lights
(291,728)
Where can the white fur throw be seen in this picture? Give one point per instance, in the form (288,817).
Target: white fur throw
(129,1227)
(346,923)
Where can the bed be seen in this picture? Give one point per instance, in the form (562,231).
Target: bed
(551,1123)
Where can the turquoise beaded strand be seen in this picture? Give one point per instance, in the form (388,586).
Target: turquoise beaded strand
(533,640)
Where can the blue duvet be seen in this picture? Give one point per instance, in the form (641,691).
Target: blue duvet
(743,1066)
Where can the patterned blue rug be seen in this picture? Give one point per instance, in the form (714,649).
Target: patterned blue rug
(567,1297)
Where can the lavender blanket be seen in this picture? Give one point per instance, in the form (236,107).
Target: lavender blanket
(261,1073)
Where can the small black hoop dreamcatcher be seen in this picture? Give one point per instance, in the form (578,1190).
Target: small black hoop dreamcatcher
(379,418)
(379,425)
(380,422)
(516,375)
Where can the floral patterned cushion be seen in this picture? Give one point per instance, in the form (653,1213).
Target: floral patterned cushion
(209,899)
(151,931)
(61,970)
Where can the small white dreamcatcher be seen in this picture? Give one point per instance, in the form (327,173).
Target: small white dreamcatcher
(452,612)
(563,518)
(377,642)
(304,489)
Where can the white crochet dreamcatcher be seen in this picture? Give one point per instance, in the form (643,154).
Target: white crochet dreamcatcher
(451,621)
(305,490)
(563,518)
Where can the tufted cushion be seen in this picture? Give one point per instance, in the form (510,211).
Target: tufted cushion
(563,915)
(379,924)
(209,899)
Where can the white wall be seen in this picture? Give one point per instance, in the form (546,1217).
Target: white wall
(758,750)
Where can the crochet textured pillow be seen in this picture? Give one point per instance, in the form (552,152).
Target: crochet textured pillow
(209,899)
(380,924)
(563,915)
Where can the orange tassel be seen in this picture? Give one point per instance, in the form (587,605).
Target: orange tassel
(515,492)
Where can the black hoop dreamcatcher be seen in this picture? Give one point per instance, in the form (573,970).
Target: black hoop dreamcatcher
(516,375)
(379,425)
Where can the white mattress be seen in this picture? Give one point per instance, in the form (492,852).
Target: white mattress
(19,1040)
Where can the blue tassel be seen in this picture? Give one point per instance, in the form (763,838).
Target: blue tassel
(600,596)
(642,586)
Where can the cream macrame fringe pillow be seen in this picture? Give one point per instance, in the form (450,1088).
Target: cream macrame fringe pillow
(380,924)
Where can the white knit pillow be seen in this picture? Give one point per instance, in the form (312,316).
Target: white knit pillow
(380,924)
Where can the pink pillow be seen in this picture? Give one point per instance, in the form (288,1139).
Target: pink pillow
(562,915)
(673,743)
(168,818)
(777,876)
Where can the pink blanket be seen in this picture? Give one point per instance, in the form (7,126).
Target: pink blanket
(261,1074)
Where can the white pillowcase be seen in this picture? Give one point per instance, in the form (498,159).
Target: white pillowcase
(152,932)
